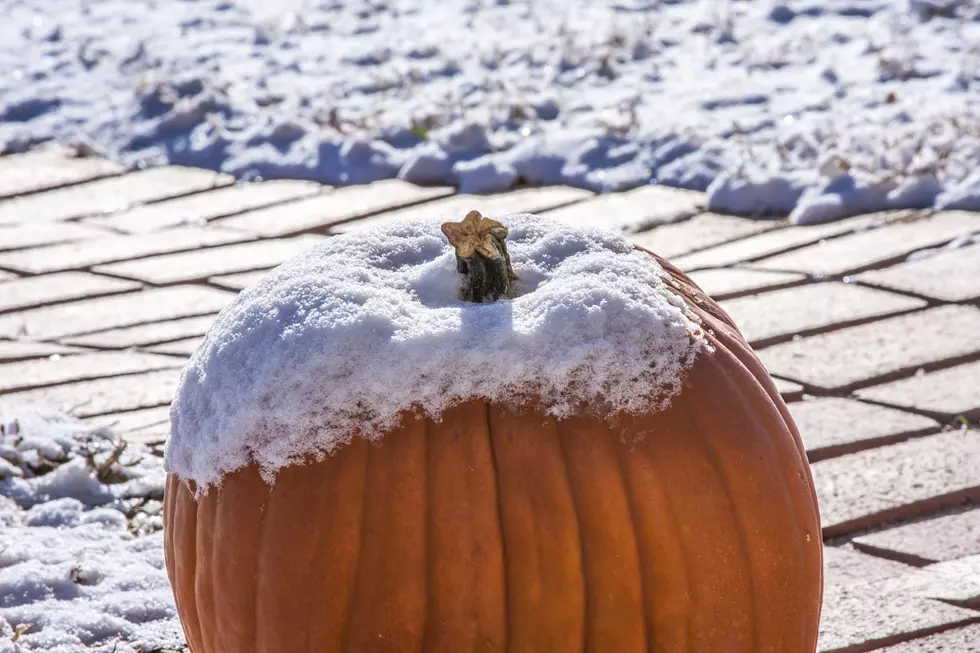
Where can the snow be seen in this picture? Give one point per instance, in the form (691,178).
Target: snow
(81,557)
(819,109)
(365,327)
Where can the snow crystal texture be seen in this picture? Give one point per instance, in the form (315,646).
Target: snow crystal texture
(344,339)
(81,557)
(819,108)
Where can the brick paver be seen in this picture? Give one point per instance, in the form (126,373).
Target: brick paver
(931,540)
(954,581)
(26,375)
(634,210)
(238,282)
(962,639)
(843,565)
(774,316)
(727,283)
(90,315)
(524,200)
(123,424)
(201,207)
(901,480)
(774,242)
(833,426)
(107,249)
(144,335)
(201,264)
(951,276)
(19,350)
(946,394)
(863,618)
(788,390)
(35,171)
(108,195)
(29,292)
(184,347)
(104,396)
(45,233)
(867,249)
(7,276)
(332,208)
(701,231)
(878,351)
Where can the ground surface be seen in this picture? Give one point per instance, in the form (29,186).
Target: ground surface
(108,280)
(833,107)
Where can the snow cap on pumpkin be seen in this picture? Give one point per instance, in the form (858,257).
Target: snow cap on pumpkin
(344,339)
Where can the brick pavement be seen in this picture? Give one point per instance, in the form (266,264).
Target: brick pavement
(870,326)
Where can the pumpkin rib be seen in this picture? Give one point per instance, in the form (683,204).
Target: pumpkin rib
(752,607)
(589,450)
(505,568)
(587,583)
(340,519)
(466,595)
(204,578)
(780,495)
(185,563)
(540,535)
(631,463)
(647,600)
(390,602)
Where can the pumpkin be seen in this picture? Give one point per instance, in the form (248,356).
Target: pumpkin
(690,527)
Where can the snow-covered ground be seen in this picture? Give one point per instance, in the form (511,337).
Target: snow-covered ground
(81,545)
(826,106)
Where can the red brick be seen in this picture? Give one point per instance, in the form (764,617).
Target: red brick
(875,247)
(36,171)
(103,396)
(109,195)
(701,231)
(776,316)
(931,540)
(945,394)
(52,371)
(899,481)
(832,426)
(524,200)
(774,242)
(53,288)
(19,350)
(962,639)
(951,276)
(880,351)
(634,210)
(197,209)
(45,233)
(332,208)
(107,249)
(90,315)
(201,264)
(726,283)
(143,335)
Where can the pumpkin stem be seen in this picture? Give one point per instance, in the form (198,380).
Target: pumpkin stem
(481,257)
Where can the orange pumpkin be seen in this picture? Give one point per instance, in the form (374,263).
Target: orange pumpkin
(499,528)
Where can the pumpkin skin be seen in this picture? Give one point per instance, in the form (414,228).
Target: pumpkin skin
(690,530)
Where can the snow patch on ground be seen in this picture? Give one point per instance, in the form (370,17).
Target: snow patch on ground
(81,545)
(346,338)
(818,109)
